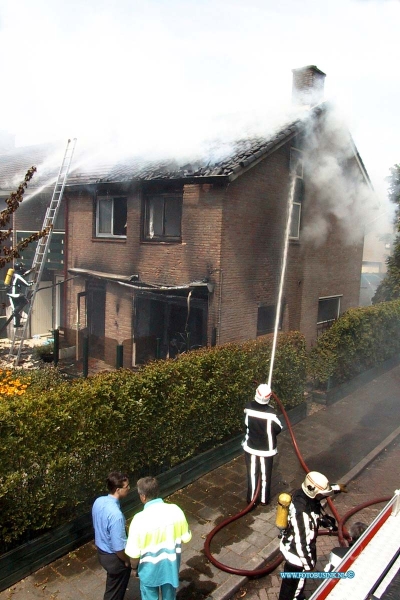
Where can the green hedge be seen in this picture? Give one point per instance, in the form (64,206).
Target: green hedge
(359,340)
(59,439)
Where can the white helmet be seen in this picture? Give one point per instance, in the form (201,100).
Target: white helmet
(315,483)
(263,393)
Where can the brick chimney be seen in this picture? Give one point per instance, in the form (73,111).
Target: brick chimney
(308,86)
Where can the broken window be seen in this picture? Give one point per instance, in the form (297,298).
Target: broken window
(163,214)
(296,168)
(111,216)
(164,328)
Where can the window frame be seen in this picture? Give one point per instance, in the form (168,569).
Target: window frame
(112,199)
(297,167)
(165,196)
(295,237)
(335,297)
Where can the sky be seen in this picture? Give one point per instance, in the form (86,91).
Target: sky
(164,75)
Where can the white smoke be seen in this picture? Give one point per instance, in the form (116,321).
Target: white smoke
(343,196)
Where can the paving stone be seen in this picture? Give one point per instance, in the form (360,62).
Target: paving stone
(209,513)
(258,539)
(240,547)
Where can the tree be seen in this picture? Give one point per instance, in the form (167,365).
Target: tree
(389,288)
(7,251)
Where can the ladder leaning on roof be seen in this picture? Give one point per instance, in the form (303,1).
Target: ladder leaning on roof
(42,248)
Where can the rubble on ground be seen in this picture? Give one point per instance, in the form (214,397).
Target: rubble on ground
(27,360)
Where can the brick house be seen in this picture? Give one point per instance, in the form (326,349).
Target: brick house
(162,256)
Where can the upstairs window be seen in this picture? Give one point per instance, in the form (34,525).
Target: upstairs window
(296,168)
(296,162)
(111,216)
(163,216)
(296,210)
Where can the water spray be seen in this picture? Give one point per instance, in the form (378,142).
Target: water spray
(283,272)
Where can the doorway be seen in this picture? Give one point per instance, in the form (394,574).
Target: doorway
(96,312)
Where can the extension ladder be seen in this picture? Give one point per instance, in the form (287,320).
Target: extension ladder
(42,250)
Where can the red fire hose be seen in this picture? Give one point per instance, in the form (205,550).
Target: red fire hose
(341,533)
(355,510)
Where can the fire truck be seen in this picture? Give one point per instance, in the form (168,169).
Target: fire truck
(370,569)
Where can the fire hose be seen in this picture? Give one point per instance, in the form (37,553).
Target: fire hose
(271,566)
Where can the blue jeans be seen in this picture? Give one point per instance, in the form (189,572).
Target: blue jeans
(168,592)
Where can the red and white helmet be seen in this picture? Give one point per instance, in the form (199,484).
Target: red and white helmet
(263,393)
(315,483)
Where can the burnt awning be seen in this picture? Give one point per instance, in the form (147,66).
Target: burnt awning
(132,282)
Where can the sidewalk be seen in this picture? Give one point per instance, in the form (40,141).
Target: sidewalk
(335,440)
(380,478)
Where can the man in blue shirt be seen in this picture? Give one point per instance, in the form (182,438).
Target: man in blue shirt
(110,536)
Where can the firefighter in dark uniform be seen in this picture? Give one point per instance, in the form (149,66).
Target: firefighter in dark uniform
(259,444)
(298,542)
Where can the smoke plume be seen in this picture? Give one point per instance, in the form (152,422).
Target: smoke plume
(343,195)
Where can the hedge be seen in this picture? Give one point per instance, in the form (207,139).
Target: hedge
(59,439)
(360,339)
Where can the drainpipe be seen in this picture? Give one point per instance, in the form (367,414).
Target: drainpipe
(78,321)
(64,291)
(219,307)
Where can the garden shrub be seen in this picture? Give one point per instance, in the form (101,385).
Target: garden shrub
(359,340)
(59,438)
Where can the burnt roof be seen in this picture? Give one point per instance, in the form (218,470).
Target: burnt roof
(233,159)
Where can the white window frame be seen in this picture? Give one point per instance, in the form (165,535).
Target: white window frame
(148,232)
(57,307)
(296,165)
(297,236)
(338,297)
(110,234)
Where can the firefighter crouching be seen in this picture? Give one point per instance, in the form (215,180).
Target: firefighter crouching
(298,541)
